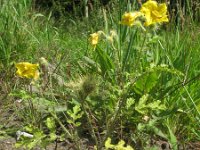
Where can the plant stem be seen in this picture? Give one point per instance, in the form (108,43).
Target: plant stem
(92,132)
(66,131)
(114,118)
(62,126)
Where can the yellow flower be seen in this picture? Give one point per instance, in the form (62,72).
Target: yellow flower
(94,39)
(129,18)
(154,12)
(27,70)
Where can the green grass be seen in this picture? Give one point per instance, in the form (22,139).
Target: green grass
(96,94)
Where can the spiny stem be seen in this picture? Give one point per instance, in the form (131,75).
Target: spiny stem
(62,126)
(90,125)
(66,131)
(114,118)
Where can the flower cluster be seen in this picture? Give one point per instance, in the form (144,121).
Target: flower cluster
(151,11)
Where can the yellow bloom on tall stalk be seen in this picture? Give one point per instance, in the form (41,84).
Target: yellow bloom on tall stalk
(27,70)
(94,39)
(154,12)
(129,18)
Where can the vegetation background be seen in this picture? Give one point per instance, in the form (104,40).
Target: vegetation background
(143,89)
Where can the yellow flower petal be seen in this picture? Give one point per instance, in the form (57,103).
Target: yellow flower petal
(27,70)
(154,12)
(129,18)
(151,5)
(94,39)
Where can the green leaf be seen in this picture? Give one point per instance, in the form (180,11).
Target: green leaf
(151,127)
(105,61)
(92,64)
(143,107)
(43,104)
(165,68)
(70,121)
(74,114)
(129,52)
(155,105)
(172,139)
(53,136)
(146,83)
(129,102)
(76,109)
(78,124)
(50,122)
(29,128)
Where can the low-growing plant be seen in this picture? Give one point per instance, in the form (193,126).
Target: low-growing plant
(134,86)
